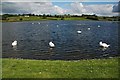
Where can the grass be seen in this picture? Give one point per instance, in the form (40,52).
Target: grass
(95,68)
(76,18)
(35,18)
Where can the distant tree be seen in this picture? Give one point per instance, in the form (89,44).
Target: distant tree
(69,15)
(48,15)
(83,15)
(30,14)
(62,18)
(65,15)
(5,16)
(19,14)
(118,18)
(44,16)
(92,17)
(104,17)
(55,15)
(75,15)
(40,15)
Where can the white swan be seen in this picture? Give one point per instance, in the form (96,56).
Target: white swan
(104,45)
(57,25)
(51,44)
(14,43)
(98,25)
(79,32)
(88,28)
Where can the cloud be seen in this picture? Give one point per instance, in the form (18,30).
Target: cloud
(14,8)
(50,8)
(59,10)
(99,9)
(31,7)
(116,8)
(77,7)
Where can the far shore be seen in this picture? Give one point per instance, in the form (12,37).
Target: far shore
(38,18)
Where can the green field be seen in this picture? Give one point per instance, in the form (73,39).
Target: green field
(35,18)
(94,68)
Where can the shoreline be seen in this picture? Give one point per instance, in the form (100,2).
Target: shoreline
(47,20)
(61,59)
(57,20)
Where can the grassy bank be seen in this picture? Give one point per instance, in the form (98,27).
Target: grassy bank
(23,68)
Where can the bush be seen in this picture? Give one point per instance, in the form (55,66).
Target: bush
(21,19)
(93,18)
(62,18)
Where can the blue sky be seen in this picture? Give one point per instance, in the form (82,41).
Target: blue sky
(56,7)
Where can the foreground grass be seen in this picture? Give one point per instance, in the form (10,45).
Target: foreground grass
(23,68)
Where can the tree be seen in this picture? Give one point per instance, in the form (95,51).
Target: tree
(69,15)
(62,18)
(21,19)
(5,16)
(44,16)
(104,17)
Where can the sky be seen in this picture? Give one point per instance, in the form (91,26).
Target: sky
(108,8)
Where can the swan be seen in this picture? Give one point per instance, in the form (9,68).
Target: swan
(32,23)
(79,32)
(88,28)
(104,45)
(51,44)
(57,25)
(14,43)
(98,25)
(38,22)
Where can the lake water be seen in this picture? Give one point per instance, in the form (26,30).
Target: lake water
(34,36)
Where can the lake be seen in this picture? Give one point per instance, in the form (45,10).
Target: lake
(34,36)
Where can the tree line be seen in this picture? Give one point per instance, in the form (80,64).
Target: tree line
(44,16)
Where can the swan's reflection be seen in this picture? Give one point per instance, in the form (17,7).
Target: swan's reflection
(15,48)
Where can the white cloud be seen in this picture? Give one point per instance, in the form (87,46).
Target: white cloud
(32,7)
(99,9)
(48,8)
(77,7)
(59,10)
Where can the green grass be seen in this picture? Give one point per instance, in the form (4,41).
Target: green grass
(95,68)
(76,18)
(34,18)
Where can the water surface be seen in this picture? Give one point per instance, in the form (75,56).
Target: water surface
(34,36)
